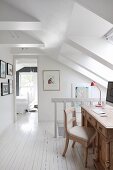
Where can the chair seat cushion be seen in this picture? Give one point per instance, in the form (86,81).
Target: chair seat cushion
(84,133)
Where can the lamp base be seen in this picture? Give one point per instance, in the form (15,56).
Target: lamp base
(98,105)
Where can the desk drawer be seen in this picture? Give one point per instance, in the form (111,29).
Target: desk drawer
(91,120)
(101,129)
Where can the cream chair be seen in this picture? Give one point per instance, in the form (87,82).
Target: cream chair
(80,134)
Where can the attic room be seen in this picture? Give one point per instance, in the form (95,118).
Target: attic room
(56,59)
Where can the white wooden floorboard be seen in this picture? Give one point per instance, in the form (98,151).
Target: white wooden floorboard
(28,145)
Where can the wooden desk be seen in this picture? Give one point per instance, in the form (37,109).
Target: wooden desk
(104,138)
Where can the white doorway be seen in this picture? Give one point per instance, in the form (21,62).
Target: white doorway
(26,85)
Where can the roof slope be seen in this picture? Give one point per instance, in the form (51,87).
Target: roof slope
(65,30)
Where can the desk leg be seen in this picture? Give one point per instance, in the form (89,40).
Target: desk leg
(107,163)
(97,147)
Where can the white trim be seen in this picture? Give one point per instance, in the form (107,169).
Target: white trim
(14,82)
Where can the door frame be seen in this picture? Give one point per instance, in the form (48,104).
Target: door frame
(14,82)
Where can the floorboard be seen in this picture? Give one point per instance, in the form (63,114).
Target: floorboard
(29,145)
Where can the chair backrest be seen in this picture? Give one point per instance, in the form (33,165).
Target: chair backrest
(69,118)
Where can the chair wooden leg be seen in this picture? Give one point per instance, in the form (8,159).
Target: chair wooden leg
(66,146)
(73,144)
(86,156)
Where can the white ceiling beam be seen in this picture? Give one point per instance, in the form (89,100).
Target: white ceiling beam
(12,18)
(81,64)
(24,57)
(82,71)
(18,39)
(102,8)
(81,46)
(87,62)
(13,25)
(26,51)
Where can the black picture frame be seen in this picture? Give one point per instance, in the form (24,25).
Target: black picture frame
(10,86)
(4,89)
(9,69)
(2,69)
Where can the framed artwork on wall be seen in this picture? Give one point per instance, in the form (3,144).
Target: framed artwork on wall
(4,89)
(81,92)
(51,80)
(2,69)
(9,69)
(10,86)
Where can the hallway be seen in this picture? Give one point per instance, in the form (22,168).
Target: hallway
(27,146)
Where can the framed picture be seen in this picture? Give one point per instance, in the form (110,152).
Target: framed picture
(51,80)
(10,86)
(9,69)
(4,89)
(2,69)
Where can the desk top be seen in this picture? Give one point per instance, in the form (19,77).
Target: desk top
(107,120)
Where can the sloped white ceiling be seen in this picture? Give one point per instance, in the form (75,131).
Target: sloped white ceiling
(54,16)
(102,8)
(94,47)
(81,28)
(87,62)
(86,34)
(12,18)
(85,23)
(82,71)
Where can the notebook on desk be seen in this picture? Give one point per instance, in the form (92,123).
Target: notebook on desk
(98,111)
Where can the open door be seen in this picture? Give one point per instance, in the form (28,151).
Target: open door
(26,99)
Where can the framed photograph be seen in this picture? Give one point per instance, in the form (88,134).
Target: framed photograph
(9,69)
(4,89)
(2,69)
(10,86)
(51,80)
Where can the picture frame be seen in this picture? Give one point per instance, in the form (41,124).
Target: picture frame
(10,86)
(9,69)
(51,80)
(2,69)
(4,89)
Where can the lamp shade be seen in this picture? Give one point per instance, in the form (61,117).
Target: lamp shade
(93,83)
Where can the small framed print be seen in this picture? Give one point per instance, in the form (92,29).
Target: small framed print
(10,86)
(51,80)
(2,69)
(9,69)
(4,89)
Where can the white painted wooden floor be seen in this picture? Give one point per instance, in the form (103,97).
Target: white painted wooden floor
(29,146)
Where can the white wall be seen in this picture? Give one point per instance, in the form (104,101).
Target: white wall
(6,102)
(67,77)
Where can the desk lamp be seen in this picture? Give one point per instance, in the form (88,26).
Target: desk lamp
(93,83)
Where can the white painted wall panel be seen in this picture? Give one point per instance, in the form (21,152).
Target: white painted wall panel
(6,102)
(67,77)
